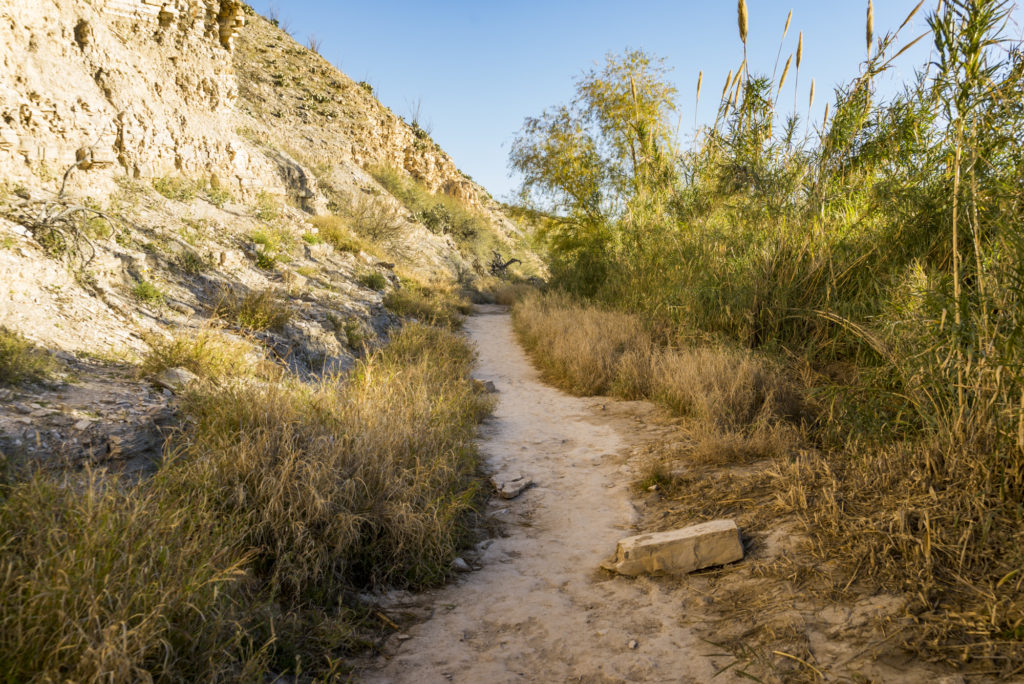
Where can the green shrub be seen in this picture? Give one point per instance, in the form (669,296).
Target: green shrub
(147,292)
(373,280)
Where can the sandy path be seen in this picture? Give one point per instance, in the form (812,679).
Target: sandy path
(538,610)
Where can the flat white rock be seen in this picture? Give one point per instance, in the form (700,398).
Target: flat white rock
(679,551)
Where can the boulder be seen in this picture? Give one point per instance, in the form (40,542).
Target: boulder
(175,378)
(678,551)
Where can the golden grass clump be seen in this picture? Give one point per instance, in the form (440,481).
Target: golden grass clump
(208,353)
(588,350)
(253,310)
(364,480)
(22,361)
(437,305)
(278,502)
(100,584)
(334,230)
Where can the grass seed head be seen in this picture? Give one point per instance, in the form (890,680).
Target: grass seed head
(742,16)
(871,25)
(800,50)
(785,70)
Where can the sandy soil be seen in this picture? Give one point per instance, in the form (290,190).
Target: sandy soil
(538,609)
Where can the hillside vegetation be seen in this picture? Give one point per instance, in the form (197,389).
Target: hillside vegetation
(870,262)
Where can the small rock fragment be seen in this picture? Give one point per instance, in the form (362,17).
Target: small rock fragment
(633,644)
(511,486)
(83,424)
(460,565)
(485,386)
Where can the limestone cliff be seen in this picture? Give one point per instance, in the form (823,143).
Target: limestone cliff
(161,157)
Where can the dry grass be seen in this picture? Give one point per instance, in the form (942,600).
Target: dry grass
(240,557)
(874,514)
(98,584)
(334,231)
(22,361)
(434,304)
(208,353)
(588,350)
(253,310)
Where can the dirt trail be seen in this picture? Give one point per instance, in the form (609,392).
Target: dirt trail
(538,610)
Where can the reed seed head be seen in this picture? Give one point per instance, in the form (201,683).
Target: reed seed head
(789,18)
(810,103)
(871,25)
(824,121)
(700,82)
(800,50)
(728,82)
(742,10)
(785,70)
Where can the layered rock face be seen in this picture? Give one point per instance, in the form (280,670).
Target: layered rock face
(150,88)
(135,86)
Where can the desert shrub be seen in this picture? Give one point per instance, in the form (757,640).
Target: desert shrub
(22,361)
(375,219)
(267,208)
(334,231)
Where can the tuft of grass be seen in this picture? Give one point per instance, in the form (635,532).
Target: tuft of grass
(273,245)
(207,353)
(334,231)
(176,188)
(373,280)
(100,583)
(267,208)
(147,292)
(437,305)
(259,310)
(192,263)
(21,361)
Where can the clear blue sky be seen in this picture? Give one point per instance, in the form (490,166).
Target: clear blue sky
(479,68)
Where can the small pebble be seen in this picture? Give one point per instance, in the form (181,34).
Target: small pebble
(633,644)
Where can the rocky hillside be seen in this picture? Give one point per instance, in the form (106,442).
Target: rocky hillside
(179,168)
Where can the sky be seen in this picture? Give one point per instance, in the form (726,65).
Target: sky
(475,70)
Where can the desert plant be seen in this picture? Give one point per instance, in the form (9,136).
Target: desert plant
(176,188)
(147,292)
(372,280)
(208,353)
(253,310)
